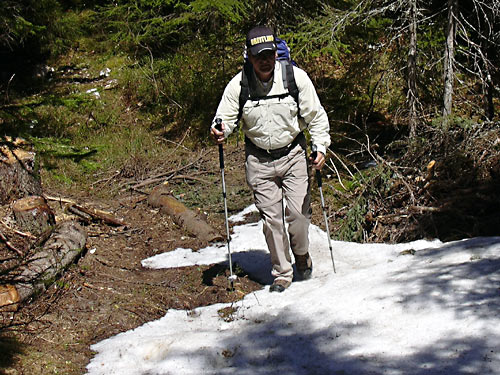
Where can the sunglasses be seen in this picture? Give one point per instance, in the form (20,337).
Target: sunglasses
(265,55)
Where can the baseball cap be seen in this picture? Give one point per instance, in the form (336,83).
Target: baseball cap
(260,38)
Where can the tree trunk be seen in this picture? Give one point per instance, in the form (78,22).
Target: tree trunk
(182,215)
(412,70)
(61,249)
(449,59)
(488,88)
(18,171)
(490,107)
(33,214)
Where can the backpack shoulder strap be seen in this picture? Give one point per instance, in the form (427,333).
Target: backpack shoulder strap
(288,83)
(245,89)
(289,80)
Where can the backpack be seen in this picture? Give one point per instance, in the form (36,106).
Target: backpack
(287,64)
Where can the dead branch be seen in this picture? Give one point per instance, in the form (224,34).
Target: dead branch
(85,217)
(343,164)
(396,172)
(58,199)
(22,234)
(149,181)
(5,240)
(174,171)
(422,209)
(162,176)
(186,177)
(106,180)
(179,144)
(337,173)
(103,216)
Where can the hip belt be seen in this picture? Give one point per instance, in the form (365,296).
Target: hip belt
(277,153)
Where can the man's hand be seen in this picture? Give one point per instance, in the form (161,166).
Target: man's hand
(317,160)
(218,135)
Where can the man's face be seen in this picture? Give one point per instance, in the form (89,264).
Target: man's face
(263,64)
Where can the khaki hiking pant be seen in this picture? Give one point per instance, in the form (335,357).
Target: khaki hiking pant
(271,180)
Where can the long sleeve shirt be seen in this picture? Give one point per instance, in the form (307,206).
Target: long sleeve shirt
(272,123)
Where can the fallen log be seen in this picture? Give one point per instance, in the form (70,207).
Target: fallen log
(33,214)
(87,213)
(182,216)
(41,270)
(18,171)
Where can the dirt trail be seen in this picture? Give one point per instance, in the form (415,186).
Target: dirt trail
(108,291)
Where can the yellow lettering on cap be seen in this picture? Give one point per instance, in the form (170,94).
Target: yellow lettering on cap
(261,39)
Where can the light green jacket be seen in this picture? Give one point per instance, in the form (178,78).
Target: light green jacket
(273,123)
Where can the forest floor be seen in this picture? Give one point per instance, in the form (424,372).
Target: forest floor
(107,291)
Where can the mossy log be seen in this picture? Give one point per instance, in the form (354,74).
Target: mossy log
(33,214)
(183,216)
(18,171)
(61,250)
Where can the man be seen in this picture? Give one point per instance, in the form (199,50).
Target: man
(275,147)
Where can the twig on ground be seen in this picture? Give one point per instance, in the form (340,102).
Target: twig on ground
(22,234)
(343,164)
(162,176)
(58,199)
(9,245)
(104,216)
(106,180)
(337,172)
(376,156)
(179,144)
(185,177)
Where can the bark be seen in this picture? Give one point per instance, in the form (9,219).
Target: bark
(61,249)
(449,59)
(183,216)
(412,70)
(33,214)
(490,92)
(18,172)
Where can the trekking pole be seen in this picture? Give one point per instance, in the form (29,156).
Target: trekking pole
(218,126)
(320,187)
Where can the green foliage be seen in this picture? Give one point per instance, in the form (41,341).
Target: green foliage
(451,122)
(60,148)
(350,228)
(200,90)
(163,25)
(16,23)
(364,188)
(230,10)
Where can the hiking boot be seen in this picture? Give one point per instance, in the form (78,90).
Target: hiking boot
(304,266)
(279,285)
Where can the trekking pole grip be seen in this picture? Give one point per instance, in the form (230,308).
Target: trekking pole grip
(314,154)
(218,126)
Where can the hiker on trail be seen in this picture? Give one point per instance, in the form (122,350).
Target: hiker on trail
(273,122)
